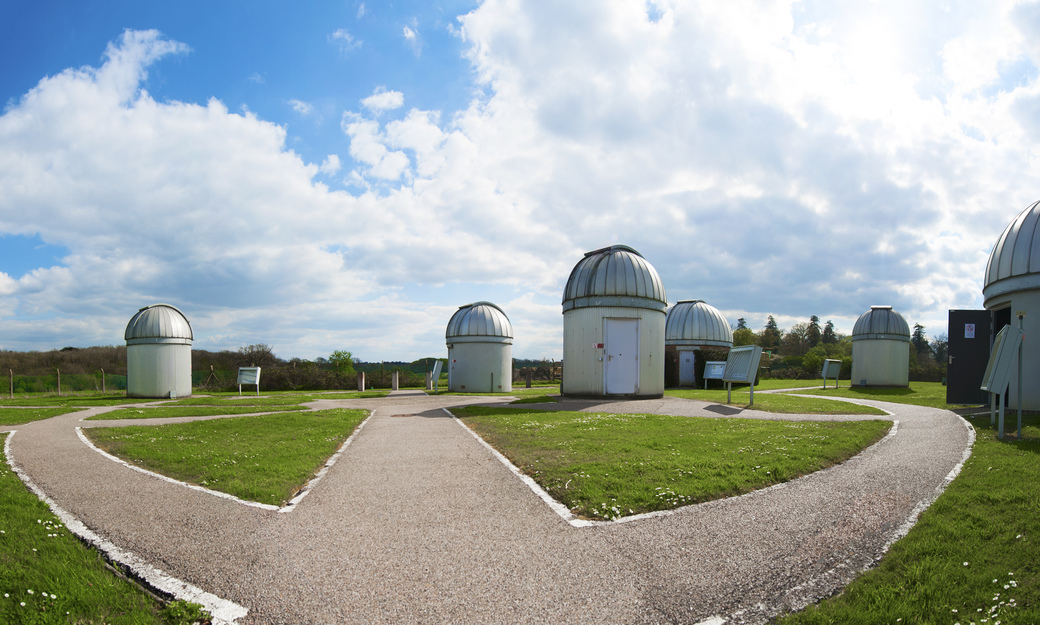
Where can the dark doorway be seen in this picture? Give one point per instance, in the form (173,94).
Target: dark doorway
(969,347)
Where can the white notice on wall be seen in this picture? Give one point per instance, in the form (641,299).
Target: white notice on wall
(969,330)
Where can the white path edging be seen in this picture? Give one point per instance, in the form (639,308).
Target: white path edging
(289,507)
(224,612)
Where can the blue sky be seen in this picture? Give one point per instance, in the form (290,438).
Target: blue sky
(343,175)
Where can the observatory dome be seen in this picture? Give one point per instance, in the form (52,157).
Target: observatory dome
(1014,263)
(693,322)
(881,322)
(614,276)
(158,323)
(479,321)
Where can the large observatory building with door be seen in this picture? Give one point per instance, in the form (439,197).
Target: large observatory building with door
(1011,287)
(613,326)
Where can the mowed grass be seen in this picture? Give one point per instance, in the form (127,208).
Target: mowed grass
(774,402)
(972,557)
(166,412)
(18,416)
(604,466)
(931,394)
(265,458)
(48,576)
(86,400)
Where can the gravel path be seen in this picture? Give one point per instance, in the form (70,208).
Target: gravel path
(419,522)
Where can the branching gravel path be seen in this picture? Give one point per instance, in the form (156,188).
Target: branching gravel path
(418,522)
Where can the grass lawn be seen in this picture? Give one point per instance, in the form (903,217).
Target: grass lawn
(165,411)
(85,400)
(604,466)
(974,555)
(48,576)
(18,416)
(265,458)
(774,402)
(932,394)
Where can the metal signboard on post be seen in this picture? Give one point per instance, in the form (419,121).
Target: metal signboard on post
(249,375)
(437,375)
(831,369)
(713,370)
(742,366)
(998,373)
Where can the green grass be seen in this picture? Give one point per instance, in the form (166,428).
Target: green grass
(18,416)
(56,577)
(932,394)
(536,399)
(774,402)
(604,466)
(90,400)
(265,458)
(166,412)
(976,550)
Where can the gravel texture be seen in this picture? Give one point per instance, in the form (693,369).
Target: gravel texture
(418,522)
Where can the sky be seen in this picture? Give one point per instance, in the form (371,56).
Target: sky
(343,175)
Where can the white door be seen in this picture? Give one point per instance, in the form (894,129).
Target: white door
(621,361)
(687,377)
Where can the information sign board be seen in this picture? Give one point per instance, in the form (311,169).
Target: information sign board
(742,366)
(831,369)
(1001,360)
(249,375)
(437,375)
(714,370)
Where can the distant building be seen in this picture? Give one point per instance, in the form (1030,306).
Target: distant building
(881,349)
(158,353)
(480,349)
(613,326)
(689,326)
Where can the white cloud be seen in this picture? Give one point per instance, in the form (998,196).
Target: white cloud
(383,100)
(769,157)
(301,107)
(412,39)
(330,165)
(343,40)
(361,10)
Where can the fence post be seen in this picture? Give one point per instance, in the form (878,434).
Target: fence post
(103,381)
(361,380)
(59,381)
(394,385)
(10,372)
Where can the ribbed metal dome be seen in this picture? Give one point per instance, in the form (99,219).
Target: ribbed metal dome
(158,323)
(1014,263)
(881,322)
(614,276)
(693,322)
(480,321)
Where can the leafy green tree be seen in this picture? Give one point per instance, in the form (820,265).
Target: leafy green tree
(342,361)
(940,348)
(771,335)
(743,336)
(919,340)
(828,337)
(812,332)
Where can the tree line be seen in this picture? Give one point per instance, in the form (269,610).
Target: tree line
(94,368)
